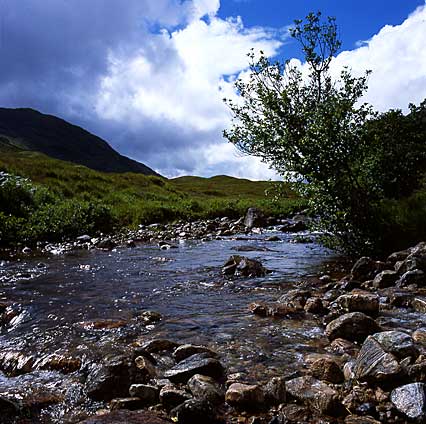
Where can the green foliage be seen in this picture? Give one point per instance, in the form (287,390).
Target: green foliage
(316,133)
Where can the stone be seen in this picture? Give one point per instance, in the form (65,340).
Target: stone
(57,362)
(244,396)
(275,392)
(195,364)
(367,303)
(295,299)
(272,309)
(150,317)
(206,388)
(159,345)
(398,343)
(356,419)
(410,400)
(254,218)
(146,367)
(314,305)
(171,396)
(386,278)
(127,417)
(131,403)
(373,364)
(342,346)
(419,336)
(398,256)
(349,370)
(419,304)
(184,351)
(354,326)
(106,244)
(415,276)
(363,269)
(327,369)
(149,395)
(316,394)
(272,238)
(194,411)
(242,266)
(84,238)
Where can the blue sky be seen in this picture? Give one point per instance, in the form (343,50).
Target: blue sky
(149,75)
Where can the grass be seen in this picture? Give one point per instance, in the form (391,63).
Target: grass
(69,195)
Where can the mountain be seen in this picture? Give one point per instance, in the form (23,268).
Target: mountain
(28,129)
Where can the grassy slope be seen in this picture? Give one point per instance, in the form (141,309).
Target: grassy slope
(136,198)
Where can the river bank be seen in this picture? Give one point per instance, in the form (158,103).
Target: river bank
(106,330)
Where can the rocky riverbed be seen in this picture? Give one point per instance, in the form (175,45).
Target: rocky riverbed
(216,321)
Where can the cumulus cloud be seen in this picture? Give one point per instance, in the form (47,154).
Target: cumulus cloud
(149,77)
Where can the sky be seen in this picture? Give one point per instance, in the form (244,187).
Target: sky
(149,76)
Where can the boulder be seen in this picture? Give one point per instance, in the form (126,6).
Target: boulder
(354,326)
(410,400)
(373,364)
(171,396)
(149,395)
(242,266)
(295,298)
(327,369)
(206,388)
(254,218)
(386,278)
(194,411)
(317,395)
(159,345)
(245,396)
(275,391)
(184,351)
(364,269)
(314,305)
(359,301)
(415,276)
(419,304)
(131,403)
(195,364)
(398,343)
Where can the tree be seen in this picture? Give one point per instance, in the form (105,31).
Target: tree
(311,129)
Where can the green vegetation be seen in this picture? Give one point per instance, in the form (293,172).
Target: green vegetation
(360,171)
(53,200)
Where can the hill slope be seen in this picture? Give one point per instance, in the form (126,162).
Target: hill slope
(27,129)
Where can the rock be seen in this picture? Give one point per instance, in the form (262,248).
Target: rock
(272,238)
(171,396)
(314,305)
(131,403)
(159,345)
(272,309)
(419,304)
(106,244)
(342,346)
(373,364)
(354,326)
(57,362)
(415,276)
(195,364)
(349,370)
(419,336)
(149,395)
(327,369)
(245,396)
(150,317)
(316,394)
(275,392)
(363,269)
(398,343)
(84,239)
(15,362)
(206,388)
(356,419)
(194,411)
(145,367)
(254,218)
(398,256)
(242,266)
(359,301)
(386,278)
(410,400)
(295,299)
(126,417)
(184,351)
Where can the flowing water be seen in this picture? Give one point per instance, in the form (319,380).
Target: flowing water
(57,298)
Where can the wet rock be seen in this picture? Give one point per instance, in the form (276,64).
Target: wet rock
(354,326)
(359,301)
(386,278)
(316,394)
(349,370)
(410,400)
(102,324)
(149,395)
(194,411)
(356,419)
(314,305)
(57,362)
(327,369)
(245,396)
(84,239)
(275,391)
(171,396)
(343,346)
(419,304)
(419,336)
(397,256)
(145,367)
(206,388)
(195,364)
(150,317)
(374,364)
(296,298)
(272,309)
(106,244)
(159,345)
(416,276)
(15,363)
(127,417)
(254,218)
(272,238)
(242,266)
(131,403)
(398,343)
(364,269)
(187,350)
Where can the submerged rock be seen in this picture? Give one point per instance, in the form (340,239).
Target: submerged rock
(242,266)
(184,351)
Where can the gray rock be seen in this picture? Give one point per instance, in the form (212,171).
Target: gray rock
(242,266)
(245,396)
(149,395)
(195,364)
(363,269)
(275,391)
(206,388)
(419,304)
(171,396)
(398,343)
(316,394)
(410,400)
(386,278)
(327,369)
(354,326)
(415,276)
(398,256)
(373,364)
(131,403)
(159,345)
(254,218)
(194,411)
(184,351)
(365,302)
